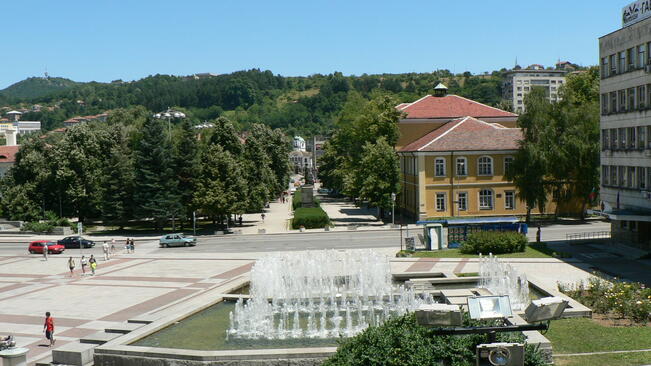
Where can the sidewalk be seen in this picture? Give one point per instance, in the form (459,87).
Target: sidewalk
(345,213)
(276,219)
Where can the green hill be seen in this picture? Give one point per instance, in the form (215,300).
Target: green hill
(36,87)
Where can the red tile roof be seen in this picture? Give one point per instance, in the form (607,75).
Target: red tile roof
(450,106)
(8,153)
(468,134)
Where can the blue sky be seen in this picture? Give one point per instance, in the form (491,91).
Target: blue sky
(104,40)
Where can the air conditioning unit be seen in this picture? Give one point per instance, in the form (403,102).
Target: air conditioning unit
(505,354)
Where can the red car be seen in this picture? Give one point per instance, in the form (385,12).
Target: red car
(36,247)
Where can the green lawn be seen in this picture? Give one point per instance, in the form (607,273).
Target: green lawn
(615,359)
(531,251)
(585,335)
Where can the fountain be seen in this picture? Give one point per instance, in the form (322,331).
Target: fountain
(501,279)
(320,294)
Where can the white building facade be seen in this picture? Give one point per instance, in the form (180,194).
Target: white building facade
(625,87)
(518,83)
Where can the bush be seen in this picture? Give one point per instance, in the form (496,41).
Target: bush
(37,227)
(400,341)
(496,242)
(310,218)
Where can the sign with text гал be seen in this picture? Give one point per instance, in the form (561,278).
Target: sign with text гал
(636,11)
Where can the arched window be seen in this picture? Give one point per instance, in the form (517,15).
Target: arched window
(486,199)
(485,165)
(439,167)
(462,166)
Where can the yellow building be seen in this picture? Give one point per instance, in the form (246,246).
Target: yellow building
(456,166)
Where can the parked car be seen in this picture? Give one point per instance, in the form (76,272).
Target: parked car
(324,191)
(176,240)
(74,242)
(36,247)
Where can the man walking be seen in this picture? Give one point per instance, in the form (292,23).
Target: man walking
(48,328)
(45,249)
(105,248)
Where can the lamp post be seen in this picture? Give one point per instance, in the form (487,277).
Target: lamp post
(393,204)
(169,114)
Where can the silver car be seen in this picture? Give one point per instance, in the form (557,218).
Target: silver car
(176,240)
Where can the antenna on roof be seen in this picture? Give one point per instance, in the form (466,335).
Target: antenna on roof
(47,76)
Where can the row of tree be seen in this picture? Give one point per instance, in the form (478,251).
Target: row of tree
(559,155)
(360,160)
(300,105)
(132,168)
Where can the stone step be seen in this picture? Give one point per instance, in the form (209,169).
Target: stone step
(143,319)
(123,328)
(76,354)
(99,338)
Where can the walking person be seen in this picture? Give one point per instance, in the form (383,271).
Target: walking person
(45,249)
(71,265)
(538,235)
(93,264)
(127,246)
(84,263)
(48,328)
(105,248)
(263,216)
(133,246)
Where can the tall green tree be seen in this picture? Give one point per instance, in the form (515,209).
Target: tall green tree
(260,178)
(379,174)
(225,135)
(187,167)
(117,187)
(156,185)
(220,188)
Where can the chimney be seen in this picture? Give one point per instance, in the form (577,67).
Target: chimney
(10,136)
(440,90)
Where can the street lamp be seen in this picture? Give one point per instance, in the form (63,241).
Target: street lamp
(393,203)
(169,114)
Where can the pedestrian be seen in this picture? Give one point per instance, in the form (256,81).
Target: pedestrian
(240,220)
(48,328)
(93,264)
(84,263)
(262,217)
(105,248)
(71,265)
(112,248)
(127,246)
(538,235)
(133,246)
(45,249)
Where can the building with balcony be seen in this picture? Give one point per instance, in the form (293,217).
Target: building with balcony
(519,82)
(625,87)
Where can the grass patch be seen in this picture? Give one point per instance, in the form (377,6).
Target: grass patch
(580,335)
(614,359)
(534,250)
(467,274)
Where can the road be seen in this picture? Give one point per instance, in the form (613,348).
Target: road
(303,241)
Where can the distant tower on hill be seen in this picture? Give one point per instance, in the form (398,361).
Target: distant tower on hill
(46,75)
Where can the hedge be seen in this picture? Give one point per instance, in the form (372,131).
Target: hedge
(496,242)
(310,218)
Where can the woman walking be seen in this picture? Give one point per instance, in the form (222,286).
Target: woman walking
(71,265)
(93,264)
(84,263)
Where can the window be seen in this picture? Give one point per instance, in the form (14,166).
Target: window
(622,100)
(604,103)
(462,167)
(621,173)
(630,57)
(440,202)
(631,177)
(485,165)
(641,137)
(613,138)
(485,199)
(621,64)
(604,67)
(439,167)
(605,139)
(507,164)
(462,201)
(641,96)
(605,174)
(622,138)
(613,175)
(613,102)
(631,99)
(630,137)
(613,65)
(641,56)
(641,177)
(509,200)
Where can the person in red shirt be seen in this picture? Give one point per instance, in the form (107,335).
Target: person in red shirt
(48,327)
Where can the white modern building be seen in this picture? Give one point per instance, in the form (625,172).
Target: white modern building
(519,82)
(625,66)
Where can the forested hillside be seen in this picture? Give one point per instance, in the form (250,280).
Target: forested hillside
(304,105)
(36,87)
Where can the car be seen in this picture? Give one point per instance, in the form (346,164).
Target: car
(323,191)
(36,247)
(74,242)
(176,240)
